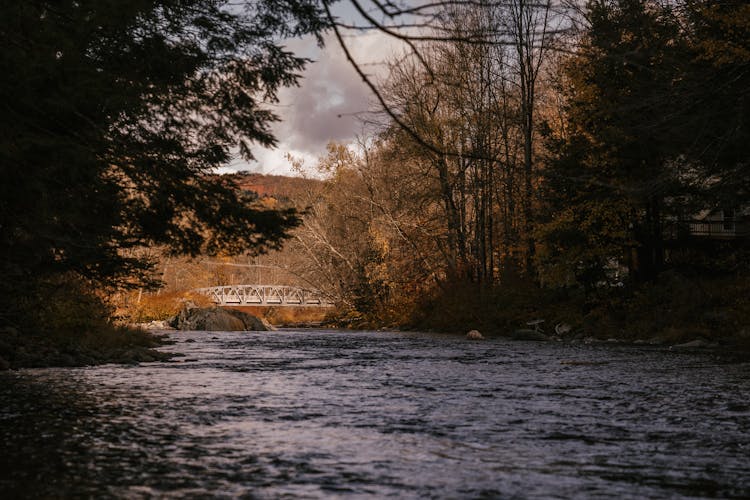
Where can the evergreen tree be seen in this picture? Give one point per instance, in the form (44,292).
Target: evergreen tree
(713,129)
(114,115)
(614,168)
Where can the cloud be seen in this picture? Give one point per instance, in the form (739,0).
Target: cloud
(327,104)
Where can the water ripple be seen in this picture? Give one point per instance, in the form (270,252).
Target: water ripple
(323,414)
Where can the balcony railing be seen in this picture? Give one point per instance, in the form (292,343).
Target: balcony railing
(713,229)
(720,229)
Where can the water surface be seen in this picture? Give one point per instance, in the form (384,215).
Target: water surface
(325,414)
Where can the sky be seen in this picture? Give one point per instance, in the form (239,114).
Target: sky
(327,104)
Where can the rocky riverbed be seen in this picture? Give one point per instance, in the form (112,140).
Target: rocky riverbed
(119,345)
(136,344)
(122,345)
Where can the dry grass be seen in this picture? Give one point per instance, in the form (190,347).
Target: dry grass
(156,306)
(280,316)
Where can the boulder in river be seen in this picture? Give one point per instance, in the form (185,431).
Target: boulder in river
(155,325)
(563,329)
(217,319)
(474,335)
(694,344)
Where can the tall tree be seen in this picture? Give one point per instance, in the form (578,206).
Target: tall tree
(114,115)
(712,130)
(529,24)
(616,166)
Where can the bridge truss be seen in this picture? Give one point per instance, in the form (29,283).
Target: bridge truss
(265,295)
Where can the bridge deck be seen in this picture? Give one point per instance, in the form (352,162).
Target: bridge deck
(265,295)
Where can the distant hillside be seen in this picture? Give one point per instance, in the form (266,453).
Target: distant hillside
(281,187)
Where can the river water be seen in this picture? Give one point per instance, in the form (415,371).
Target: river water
(326,414)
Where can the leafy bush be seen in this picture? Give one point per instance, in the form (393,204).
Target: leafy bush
(498,310)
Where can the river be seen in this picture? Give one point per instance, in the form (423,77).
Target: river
(327,414)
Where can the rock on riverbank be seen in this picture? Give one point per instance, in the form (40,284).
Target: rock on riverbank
(217,319)
(108,345)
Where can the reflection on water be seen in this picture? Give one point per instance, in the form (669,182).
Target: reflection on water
(326,414)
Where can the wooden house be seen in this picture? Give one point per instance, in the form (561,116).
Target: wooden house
(726,224)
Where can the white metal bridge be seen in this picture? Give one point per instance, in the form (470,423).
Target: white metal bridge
(265,295)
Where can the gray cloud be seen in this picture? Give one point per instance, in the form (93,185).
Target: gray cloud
(325,106)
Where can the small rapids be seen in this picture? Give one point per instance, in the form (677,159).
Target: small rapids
(326,414)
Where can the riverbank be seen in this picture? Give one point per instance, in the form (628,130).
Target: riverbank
(678,310)
(732,348)
(726,348)
(104,343)
(115,344)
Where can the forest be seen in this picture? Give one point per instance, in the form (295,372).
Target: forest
(579,162)
(598,181)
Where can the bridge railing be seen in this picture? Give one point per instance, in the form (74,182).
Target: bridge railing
(265,295)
